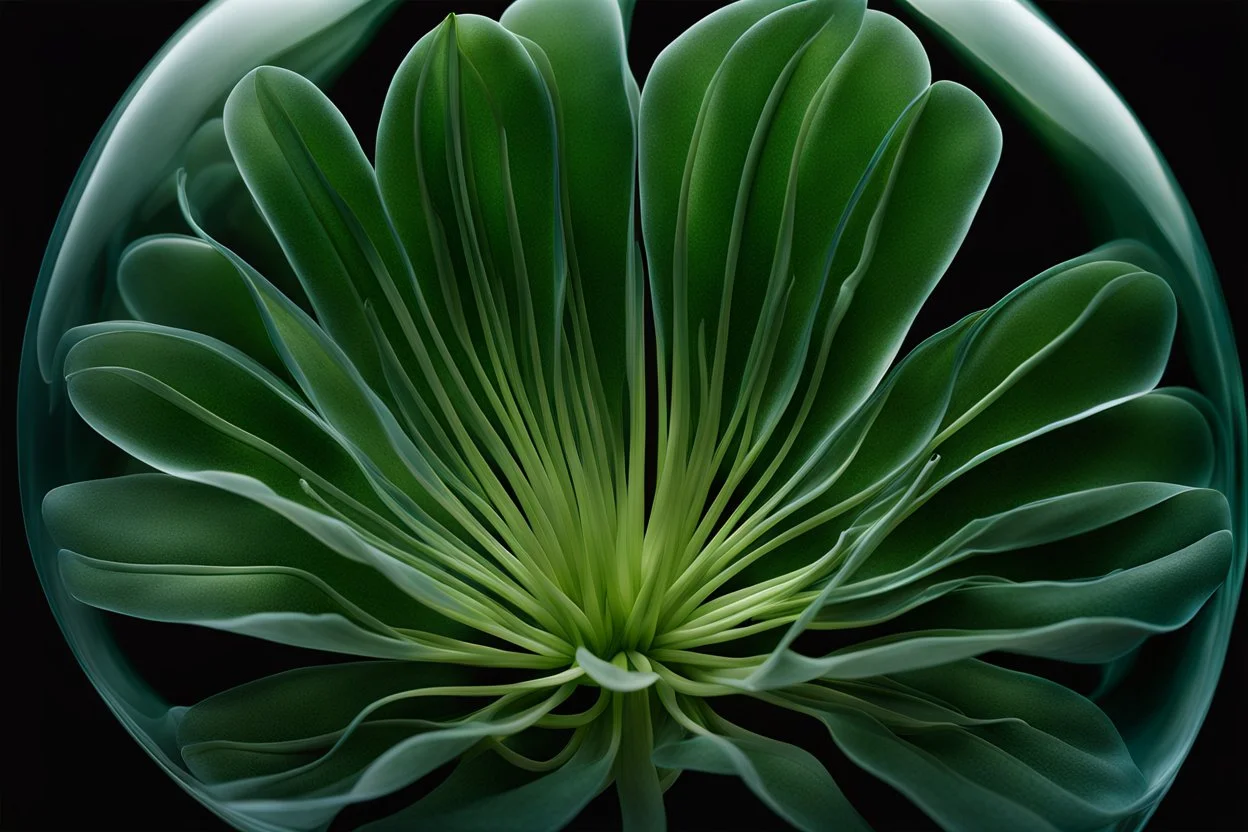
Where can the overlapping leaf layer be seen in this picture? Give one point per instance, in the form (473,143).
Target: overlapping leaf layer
(413,412)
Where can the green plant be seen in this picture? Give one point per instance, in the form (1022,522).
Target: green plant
(437,433)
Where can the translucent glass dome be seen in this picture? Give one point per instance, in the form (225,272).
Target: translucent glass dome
(127,187)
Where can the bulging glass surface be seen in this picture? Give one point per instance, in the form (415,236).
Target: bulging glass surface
(553,489)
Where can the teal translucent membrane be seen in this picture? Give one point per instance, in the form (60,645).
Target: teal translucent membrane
(126,183)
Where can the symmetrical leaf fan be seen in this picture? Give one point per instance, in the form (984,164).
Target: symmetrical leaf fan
(583,507)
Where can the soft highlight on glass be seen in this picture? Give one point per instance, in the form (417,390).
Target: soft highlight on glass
(580,506)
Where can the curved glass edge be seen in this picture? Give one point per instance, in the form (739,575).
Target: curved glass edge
(188,79)
(1125,182)
(138,146)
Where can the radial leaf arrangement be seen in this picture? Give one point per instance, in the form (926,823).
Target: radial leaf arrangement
(564,497)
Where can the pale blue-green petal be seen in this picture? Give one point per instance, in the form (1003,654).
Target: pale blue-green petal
(613,677)
(973,744)
(475,799)
(790,780)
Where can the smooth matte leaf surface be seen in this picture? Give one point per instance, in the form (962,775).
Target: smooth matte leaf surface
(428,412)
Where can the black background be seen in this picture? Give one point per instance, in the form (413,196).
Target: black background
(68,765)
